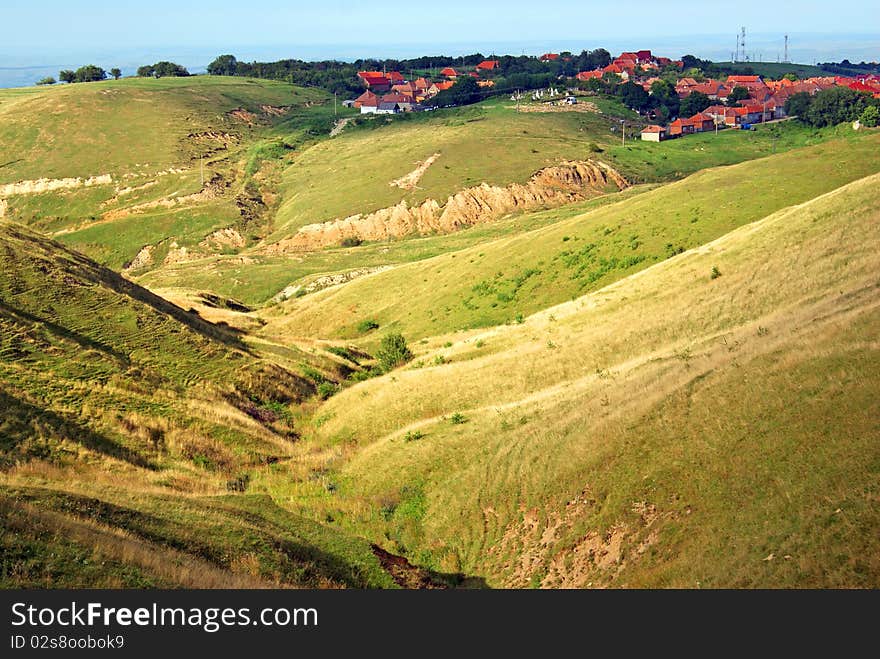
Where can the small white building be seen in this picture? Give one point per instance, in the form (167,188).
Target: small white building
(654,134)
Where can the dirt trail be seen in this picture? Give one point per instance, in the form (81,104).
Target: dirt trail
(340,126)
(50,185)
(411,180)
(553,186)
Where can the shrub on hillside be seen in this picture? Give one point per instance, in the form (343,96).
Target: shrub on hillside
(367,326)
(870,117)
(393,352)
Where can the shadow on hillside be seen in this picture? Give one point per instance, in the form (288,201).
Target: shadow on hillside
(219,531)
(14,313)
(27,429)
(81,265)
(411,577)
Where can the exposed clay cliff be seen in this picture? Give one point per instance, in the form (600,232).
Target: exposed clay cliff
(553,186)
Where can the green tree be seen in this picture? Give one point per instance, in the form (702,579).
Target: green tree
(225,65)
(666,98)
(634,96)
(798,104)
(163,70)
(393,352)
(116,73)
(464,92)
(738,94)
(694,104)
(90,73)
(67,76)
(47,81)
(870,117)
(835,106)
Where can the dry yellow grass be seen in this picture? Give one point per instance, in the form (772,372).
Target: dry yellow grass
(169,566)
(742,408)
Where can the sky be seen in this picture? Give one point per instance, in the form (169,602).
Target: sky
(69,24)
(52,32)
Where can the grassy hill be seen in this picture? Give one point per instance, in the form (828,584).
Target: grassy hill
(185,157)
(263,275)
(497,282)
(674,385)
(774,70)
(131,428)
(708,422)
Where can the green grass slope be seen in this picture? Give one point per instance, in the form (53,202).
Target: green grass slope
(186,157)
(132,427)
(492,143)
(708,422)
(497,282)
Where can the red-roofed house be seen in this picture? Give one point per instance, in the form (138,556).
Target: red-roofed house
(449,72)
(395,77)
(438,87)
(488,65)
(700,123)
(645,57)
(713,89)
(676,128)
(549,57)
(583,76)
(617,70)
(375,80)
(367,102)
(744,80)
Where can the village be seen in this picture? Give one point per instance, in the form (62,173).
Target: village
(392,93)
(733,102)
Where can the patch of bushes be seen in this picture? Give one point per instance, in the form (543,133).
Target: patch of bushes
(413,436)
(458,419)
(327,390)
(239,484)
(351,241)
(393,352)
(345,353)
(367,326)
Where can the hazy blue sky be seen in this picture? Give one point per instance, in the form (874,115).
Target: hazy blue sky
(59,25)
(39,37)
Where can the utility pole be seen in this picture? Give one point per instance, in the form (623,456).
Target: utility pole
(623,130)
(335,107)
(202,169)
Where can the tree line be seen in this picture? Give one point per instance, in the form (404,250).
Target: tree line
(513,72)
(93,73)
(834,106)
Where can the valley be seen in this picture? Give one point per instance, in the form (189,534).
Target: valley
(629,364)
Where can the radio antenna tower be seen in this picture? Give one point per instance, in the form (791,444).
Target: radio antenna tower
(786,50)
(745,56)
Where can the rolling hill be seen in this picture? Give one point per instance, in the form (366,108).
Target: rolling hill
(707,422)
(495,282)
(130,429)
(640,365)
(113,167)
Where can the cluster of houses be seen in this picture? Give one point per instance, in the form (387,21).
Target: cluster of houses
(392,92)
(630,66)
(765,102)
